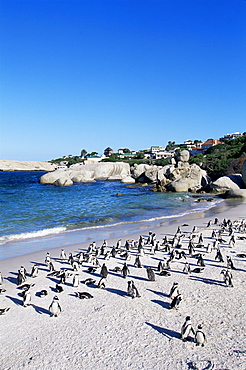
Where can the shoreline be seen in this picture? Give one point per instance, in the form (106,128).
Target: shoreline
(13,248)
(112,330)
(224,207)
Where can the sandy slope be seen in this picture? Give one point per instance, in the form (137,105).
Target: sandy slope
(112,330)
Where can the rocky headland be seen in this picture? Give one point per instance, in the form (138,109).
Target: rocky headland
(178,176)
(12,165)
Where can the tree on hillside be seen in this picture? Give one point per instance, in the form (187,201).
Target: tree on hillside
(83,153)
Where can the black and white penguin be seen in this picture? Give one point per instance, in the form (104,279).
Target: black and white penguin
(125,270)
(104,271)
(102,283)
(230,264)
(132,290)
(137,262)
(186,268)
(150,274)
(63,255)
(174,291)
(200,337)
(34,272)
(176,302)
(26,298)
(42,293)
(227,275)
(84,295)
(1,278)
(89,281)
(187,329)
(4,310)
(55,308)
(76,280)
(21,277)
(59,288)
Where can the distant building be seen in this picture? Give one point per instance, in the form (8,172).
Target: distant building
(156,149)
(207,144)
(235,135)
(201,148)
(108,152)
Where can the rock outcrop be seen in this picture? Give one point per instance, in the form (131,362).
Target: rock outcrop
(11,165)
(225,183)
(87,173)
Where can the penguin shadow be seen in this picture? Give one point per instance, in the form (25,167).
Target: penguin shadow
(161,303)
(17,301)
(206,280)
(158,293)
(38,263)
(138,278)
(166,332)
(11,279)
(54,280)
(41,310)
(116,291)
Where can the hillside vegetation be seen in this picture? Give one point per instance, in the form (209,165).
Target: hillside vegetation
(223,159)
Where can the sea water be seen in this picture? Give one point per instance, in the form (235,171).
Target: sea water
(37,216)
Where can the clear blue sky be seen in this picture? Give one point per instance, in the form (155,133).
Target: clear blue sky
(121,73)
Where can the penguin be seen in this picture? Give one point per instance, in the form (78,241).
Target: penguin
(160,267)
(84,295)
(198,270)
(165,273)
(21,277)
(75,266)
(186,329)
(150,274)
(26,287)
(186,268)
(2,290)
(176,302)
(70,259)
(104,271)
(219,256)
(34,272)
(227,277)
(92,270)
(51,266)
(47,259)
(1,278)
(137,262)
(4,310)
(125,271)
(89,281)
(63,277)
(101,284)
(230,264)
(132,290)
(209,248)
(43,293)
(63,255)
(76,280)
(200,336)
(174,291)
(59,288)
(200,261)
(55,308)
(26,298)
(113,252)
(117,269)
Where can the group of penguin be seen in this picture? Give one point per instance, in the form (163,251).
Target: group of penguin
(173,249)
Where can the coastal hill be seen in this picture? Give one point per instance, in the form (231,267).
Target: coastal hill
(12,165)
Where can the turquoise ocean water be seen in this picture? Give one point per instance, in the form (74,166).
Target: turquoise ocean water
(37,217)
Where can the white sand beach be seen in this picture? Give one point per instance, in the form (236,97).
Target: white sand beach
(114,331)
